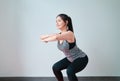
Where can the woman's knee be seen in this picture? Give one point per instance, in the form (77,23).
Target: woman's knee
(70,72)
(55,67)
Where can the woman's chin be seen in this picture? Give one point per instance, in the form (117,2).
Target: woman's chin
(59,27)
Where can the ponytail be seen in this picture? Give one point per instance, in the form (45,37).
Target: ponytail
(70,26)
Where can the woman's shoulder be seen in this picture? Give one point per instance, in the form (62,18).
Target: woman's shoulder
(69,31)
(65,32)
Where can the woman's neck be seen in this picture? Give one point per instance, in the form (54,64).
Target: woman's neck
(64,29)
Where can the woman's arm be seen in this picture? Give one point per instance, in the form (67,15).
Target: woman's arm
(63,36)
(44,36)
(66,36)
(48,38)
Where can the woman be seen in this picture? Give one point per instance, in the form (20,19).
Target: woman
(75,60)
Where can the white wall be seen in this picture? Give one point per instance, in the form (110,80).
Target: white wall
(96,26)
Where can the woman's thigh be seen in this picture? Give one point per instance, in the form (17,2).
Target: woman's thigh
(78,65)
(62,64)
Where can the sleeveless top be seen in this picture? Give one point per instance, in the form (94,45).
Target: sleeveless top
(71,53)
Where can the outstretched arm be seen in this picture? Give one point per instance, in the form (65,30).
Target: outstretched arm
(64,36)
(42,37)
(48,38)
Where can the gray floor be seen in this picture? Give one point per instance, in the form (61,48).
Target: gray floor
(54,79)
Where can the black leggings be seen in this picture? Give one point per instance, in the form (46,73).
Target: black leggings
(71,68)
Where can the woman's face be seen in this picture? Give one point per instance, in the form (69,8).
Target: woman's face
(60,23)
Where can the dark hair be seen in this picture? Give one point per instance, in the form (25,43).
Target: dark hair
(67,18)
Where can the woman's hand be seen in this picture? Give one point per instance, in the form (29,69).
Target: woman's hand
(44,41)
(43,37)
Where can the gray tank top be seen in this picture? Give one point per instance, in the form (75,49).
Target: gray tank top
(71,54)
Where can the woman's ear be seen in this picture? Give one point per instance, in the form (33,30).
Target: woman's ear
(66,22)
